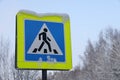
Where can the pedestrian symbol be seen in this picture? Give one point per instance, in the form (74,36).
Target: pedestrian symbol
(45,40)
(44,43)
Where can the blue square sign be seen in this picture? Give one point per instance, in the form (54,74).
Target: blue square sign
(44,41)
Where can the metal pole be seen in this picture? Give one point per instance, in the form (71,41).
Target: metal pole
(44,74)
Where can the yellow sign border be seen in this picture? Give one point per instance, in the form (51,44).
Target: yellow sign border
(20,58)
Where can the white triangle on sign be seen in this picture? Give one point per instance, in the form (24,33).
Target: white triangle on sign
(47,43)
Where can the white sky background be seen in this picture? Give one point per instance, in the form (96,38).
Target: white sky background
(88,18)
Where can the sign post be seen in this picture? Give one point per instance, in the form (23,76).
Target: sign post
(44,74)
(43,42)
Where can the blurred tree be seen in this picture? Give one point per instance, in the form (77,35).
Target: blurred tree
(4,60)
(103,57)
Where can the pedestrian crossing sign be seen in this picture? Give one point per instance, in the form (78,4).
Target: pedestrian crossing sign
(43,41)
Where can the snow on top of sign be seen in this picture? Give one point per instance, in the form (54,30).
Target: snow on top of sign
(65,16)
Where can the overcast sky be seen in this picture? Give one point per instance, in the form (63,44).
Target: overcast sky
(87,17)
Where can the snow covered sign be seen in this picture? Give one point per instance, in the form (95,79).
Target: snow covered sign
(43,41)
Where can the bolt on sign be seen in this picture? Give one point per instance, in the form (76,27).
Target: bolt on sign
(43,41)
